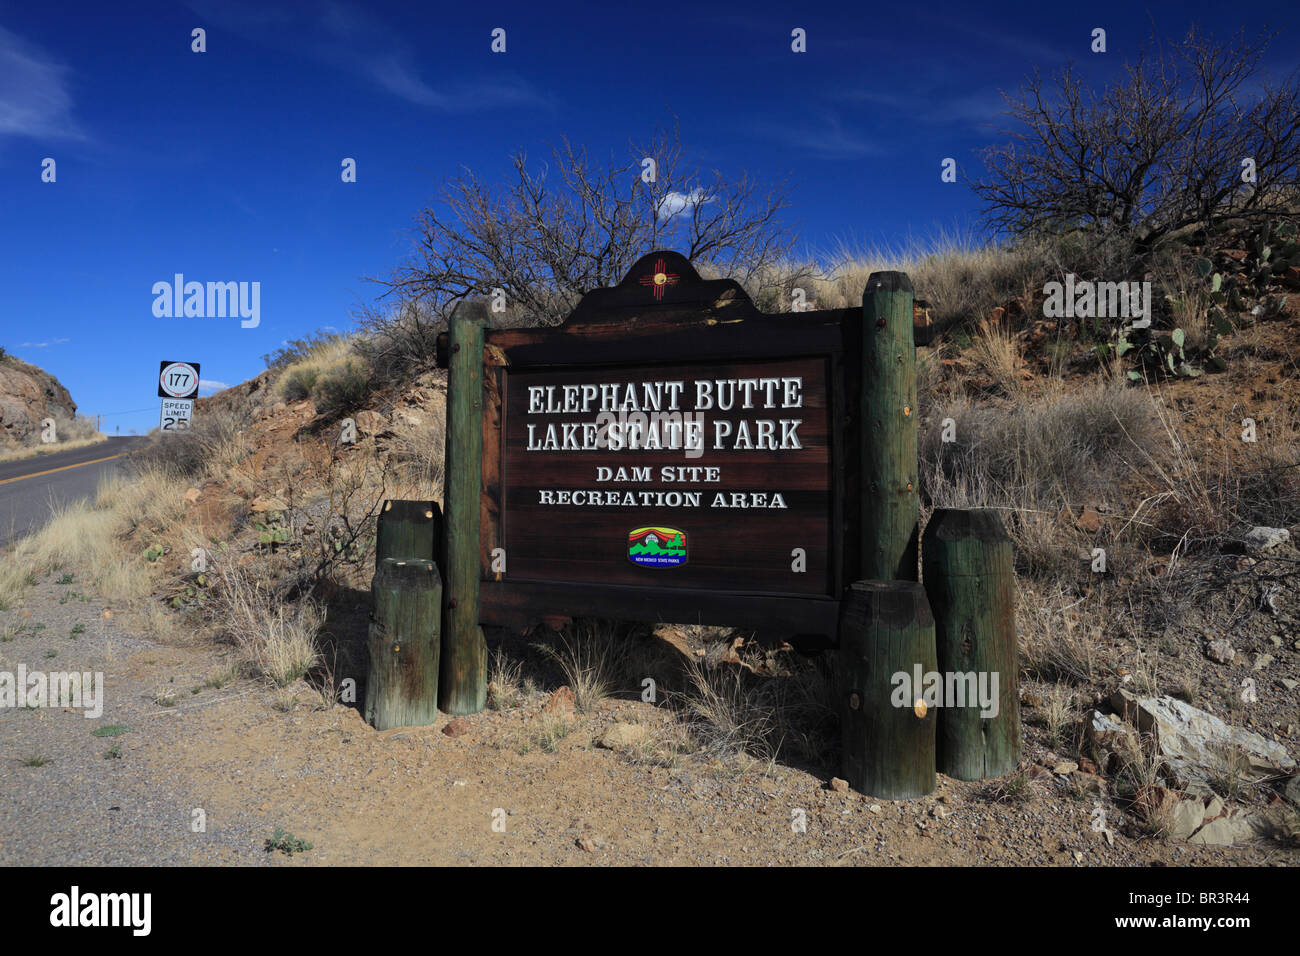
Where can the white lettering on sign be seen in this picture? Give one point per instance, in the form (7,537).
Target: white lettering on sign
(690,416)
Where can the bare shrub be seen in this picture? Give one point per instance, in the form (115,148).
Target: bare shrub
(1157,151)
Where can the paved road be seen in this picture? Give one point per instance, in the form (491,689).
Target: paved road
(32,487)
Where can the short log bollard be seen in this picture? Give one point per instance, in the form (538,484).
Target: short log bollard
(409,529)
(463,681)
(967,558)
(404,647)
(889,732)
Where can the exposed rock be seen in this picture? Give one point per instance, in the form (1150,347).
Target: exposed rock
(1184,818)
(560,702)
(585,844)
(456,727)
(192,496)
(1262,661)
(1225,831)
(1221,652)
(1196,744)
(1265,539)
(839,785)
(621,736)
(1110,735)
(369,422)
(28,395)
(1089,521)
(1065,767)
(1089,782)
(1292,790)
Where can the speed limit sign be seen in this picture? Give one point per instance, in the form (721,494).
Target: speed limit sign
(178,379)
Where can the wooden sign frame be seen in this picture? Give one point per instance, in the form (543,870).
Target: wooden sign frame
(664,314)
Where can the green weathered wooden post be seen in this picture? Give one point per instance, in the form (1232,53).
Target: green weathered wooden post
(968,576)
(886,648)
(887,444)
(402,686)
(463,684)
(409,529)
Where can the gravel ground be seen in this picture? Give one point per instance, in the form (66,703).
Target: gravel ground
(254,758)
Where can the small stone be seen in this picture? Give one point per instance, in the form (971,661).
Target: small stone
(1087,766)
(1221,652)
(1065,767)
(192,496)
(938,811)
(1265,539)
(839,785)
(1262,661)
(1078,856)
(1290,684)
(1275,641)
(1089,782)
(621,736)
(585,844)
(1030,699)
(456,727)
(875,808)
(560,702)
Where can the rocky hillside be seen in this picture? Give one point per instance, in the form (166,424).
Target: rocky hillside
(27,395)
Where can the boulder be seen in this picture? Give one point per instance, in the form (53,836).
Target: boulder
(1236,827)
(28,395)
(1197,745)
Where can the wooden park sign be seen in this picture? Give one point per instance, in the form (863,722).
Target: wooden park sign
(672,453)
(669,453)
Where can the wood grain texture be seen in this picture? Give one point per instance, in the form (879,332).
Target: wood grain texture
(403,644)
(408,529)
(885,628)
(463,683)
(968,574)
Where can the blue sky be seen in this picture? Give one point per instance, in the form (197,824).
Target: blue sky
(225,165)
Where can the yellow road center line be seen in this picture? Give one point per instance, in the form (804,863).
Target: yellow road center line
(50,471)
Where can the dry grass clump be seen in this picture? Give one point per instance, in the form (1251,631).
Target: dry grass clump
(415,451)
(210,446)
(732,711)
(276,636)
(588,653)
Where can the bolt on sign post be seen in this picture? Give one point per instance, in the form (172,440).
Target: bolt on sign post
(967,558)
(463,682)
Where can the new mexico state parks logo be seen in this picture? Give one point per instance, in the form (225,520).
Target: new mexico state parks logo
(656,547)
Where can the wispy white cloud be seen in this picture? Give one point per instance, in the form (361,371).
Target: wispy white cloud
(676,203)
(211,385)
(42,345)
(34,97)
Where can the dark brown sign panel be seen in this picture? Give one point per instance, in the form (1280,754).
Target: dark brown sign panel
(677,476)
(669,453)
